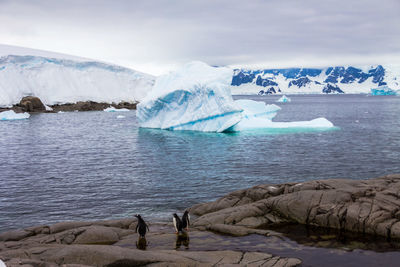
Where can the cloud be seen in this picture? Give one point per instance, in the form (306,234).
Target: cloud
(162,33)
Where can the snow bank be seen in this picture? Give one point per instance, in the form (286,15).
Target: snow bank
(112,109)
(284,99)
(11,115)
(196,97)
(59,80)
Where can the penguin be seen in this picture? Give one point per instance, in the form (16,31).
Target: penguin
(186,220)
(177,224)
(141,226)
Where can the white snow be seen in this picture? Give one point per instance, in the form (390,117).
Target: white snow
(195,97)
(48,108)
(284,99)
(112,109)
(11,115)
(58,79)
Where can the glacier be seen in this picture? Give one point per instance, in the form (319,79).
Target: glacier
(284,99)
(11,115)
(197,98)
(60,79)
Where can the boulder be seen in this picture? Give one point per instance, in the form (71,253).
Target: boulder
(31,104)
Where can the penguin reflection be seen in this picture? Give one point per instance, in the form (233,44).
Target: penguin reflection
(141,243)
(182,239)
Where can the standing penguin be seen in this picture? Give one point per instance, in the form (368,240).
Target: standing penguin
(186,220)
(177,224)
(141,226)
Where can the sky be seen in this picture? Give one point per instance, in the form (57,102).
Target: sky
(156,36)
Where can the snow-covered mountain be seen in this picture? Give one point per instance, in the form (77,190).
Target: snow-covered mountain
(57,78)
(353,80)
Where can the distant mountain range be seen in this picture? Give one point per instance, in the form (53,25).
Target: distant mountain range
(353,80)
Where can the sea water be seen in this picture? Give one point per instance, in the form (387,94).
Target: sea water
(91,165)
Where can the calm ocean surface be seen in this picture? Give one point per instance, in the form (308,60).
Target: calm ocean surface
(91,165)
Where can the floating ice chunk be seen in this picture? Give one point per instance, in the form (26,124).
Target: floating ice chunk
(112,109)
(258,115)
(196,97)
(284,99)
(383,90)
(61,111)
(120,116)
(11,115)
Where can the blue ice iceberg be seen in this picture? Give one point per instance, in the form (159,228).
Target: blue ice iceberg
(284,99)
(11,115)
(258,115)
(196,97)
(383,90)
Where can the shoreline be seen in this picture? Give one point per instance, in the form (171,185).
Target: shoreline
(244,227)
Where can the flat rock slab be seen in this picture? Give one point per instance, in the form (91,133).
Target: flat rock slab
(82,244)
(363,206)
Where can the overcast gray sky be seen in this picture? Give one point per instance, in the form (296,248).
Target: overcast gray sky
(157,35)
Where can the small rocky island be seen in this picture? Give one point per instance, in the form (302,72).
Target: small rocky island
(246,218)
(33,104)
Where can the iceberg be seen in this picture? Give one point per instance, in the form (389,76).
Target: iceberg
(257,115)
(112,109)
(284,99)
(11,115)
(196,97)
(383,90)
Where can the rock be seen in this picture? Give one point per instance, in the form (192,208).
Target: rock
(363,206)
(80,244)
(31,104)
(15,235)
(97,235)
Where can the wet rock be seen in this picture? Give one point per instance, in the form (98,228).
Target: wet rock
(31,104)
(363,206)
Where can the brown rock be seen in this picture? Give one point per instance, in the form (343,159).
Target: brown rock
(32,104)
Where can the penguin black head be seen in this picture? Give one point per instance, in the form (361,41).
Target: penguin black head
(175,215)
(138,216)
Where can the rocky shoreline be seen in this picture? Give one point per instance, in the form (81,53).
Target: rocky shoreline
(33,104)
(246,218)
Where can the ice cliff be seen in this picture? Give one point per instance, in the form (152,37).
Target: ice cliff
(58,79)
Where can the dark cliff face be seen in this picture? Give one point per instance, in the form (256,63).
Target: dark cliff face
(302,77)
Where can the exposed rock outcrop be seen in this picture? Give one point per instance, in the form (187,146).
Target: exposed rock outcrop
(112,243)
(31,104)
(362,206)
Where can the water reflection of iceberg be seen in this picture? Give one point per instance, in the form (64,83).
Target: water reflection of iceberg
(197,98)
